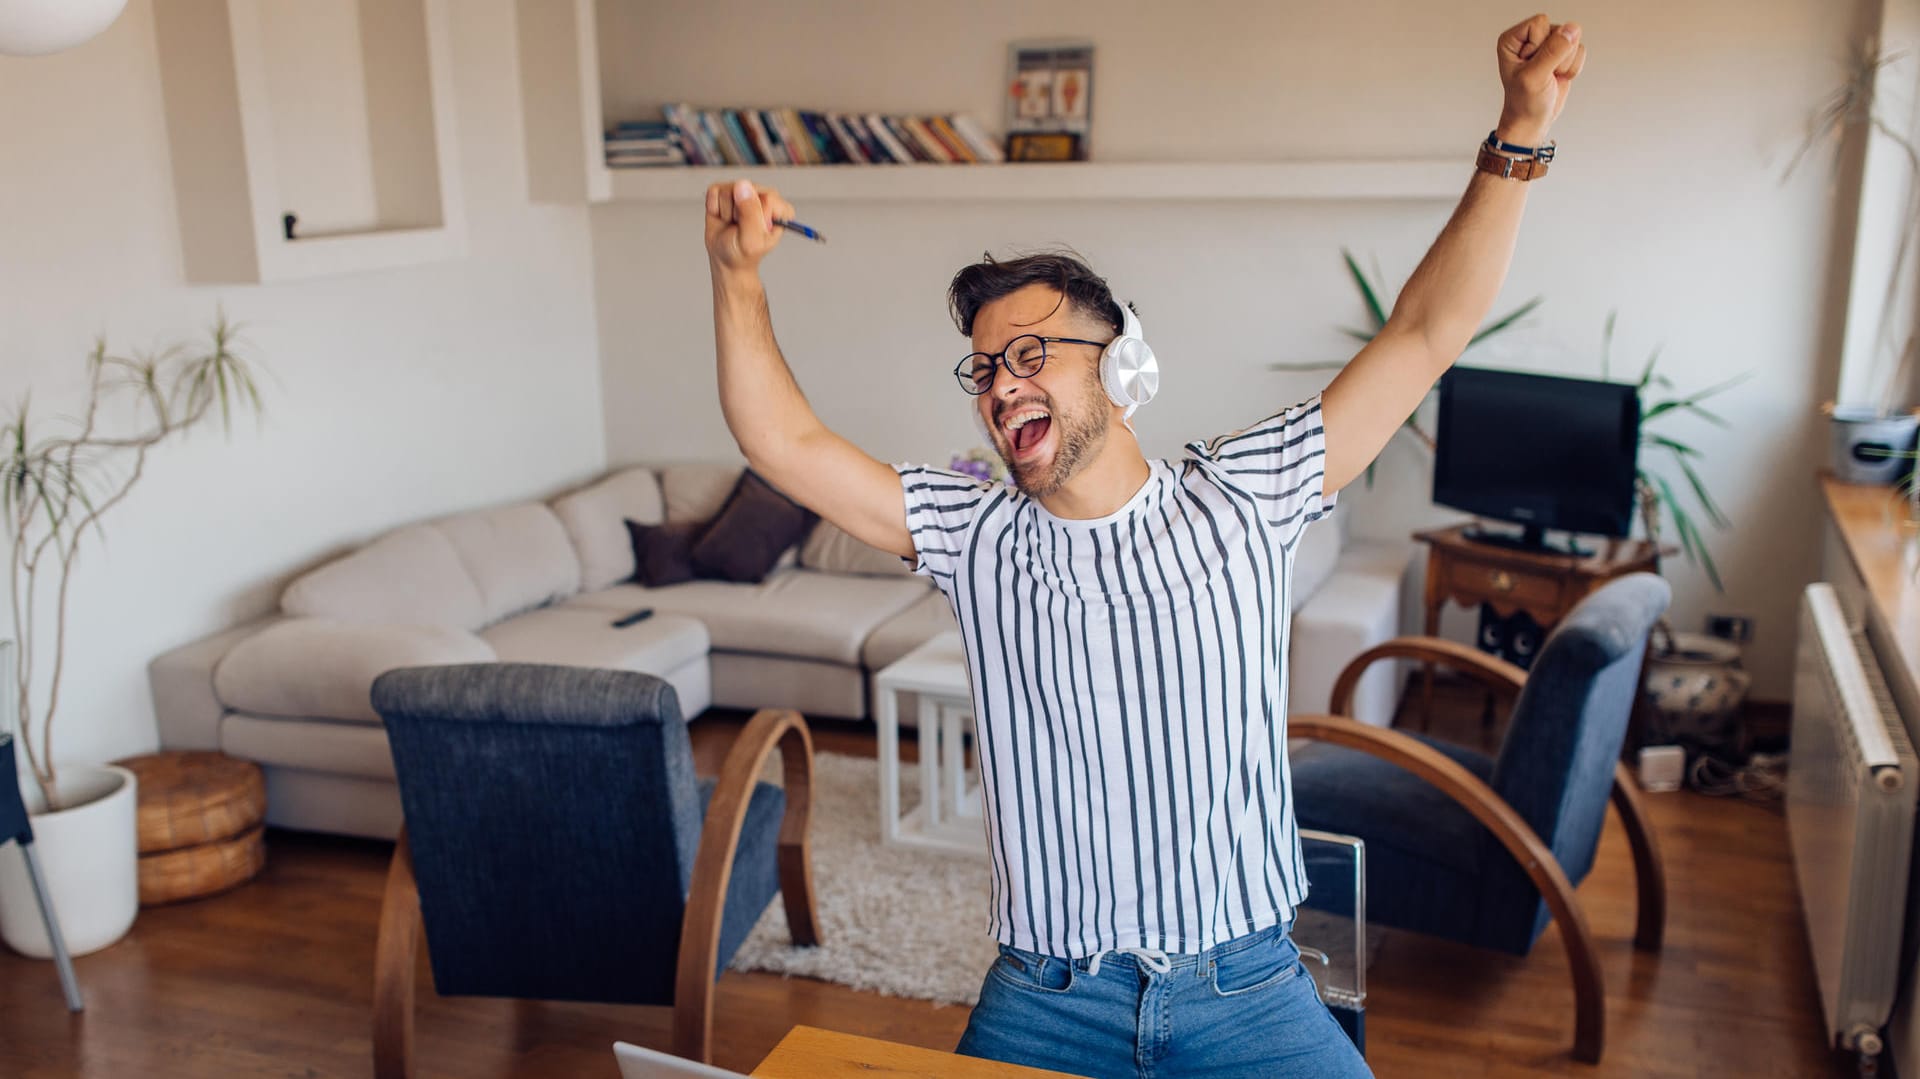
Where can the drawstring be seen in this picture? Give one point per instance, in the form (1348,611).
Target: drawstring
(1155,959)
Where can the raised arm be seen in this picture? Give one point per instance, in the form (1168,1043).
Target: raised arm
(770,418)
(1456,283)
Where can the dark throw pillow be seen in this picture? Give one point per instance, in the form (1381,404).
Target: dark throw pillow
(753,529)
(662,554)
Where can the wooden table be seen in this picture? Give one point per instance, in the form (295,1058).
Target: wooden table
(1544,585)
(812,1053)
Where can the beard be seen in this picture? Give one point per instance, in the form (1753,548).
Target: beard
(1081,433)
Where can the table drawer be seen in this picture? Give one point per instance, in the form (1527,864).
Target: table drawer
(1500,583)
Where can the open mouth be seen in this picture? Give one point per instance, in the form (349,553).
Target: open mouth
(1026,429)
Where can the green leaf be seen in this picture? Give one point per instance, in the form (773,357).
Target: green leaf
(1506,320)
(1675,446)
(1646,376)
(1700,490)
(1366,289)
(1361,336)
(1606,344)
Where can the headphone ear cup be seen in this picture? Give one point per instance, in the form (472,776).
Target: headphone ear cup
(1130,372)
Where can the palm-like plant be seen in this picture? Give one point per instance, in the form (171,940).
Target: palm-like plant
(1655,494)
(1371,292)
(55,487)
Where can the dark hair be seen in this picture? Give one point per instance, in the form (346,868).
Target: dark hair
(989,279)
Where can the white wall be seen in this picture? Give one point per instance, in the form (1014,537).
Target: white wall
(1666,204)
(392,396)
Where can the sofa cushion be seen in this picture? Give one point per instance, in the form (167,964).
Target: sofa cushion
(584,637)
(518,556)
(757,525)
(323,668)
(799,613)
(832,549)
(595,517)
(908,630)
(410,575)
(695,490)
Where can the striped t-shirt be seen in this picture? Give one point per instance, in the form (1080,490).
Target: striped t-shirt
(1129,686)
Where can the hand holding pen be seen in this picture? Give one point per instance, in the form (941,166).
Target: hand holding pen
(744,223)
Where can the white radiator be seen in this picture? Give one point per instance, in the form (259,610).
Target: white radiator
(1850,805)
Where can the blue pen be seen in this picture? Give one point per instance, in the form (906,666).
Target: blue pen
(795,226)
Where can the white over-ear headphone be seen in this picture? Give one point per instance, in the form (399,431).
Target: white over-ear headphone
(1128,368)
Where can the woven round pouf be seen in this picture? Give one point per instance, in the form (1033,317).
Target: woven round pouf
(200,823)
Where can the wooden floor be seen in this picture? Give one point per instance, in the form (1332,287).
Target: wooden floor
(275,979)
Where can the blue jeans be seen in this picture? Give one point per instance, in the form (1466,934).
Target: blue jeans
(1246,1008)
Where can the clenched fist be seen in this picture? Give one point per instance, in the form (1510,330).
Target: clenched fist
(1538,63)
(740,224)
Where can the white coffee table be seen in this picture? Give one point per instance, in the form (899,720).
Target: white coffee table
(948,816)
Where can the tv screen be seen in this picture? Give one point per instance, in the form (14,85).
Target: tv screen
(1542,451)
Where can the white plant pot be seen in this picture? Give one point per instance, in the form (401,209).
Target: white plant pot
(89,854)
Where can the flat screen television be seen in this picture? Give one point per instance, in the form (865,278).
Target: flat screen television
(1541,451)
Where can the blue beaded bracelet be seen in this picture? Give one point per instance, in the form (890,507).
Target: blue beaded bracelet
(1538,153)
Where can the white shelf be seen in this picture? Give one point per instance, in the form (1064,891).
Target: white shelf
(1143,181)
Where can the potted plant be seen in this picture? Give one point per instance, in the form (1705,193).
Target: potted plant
(1377,312)
(1873,438)
(1694,682)
(56,486)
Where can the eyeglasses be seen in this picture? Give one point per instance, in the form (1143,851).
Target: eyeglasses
(1023,357)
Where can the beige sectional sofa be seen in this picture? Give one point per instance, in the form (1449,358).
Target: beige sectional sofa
(542,582)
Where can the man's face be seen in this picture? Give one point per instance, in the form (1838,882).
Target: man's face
(1047,427)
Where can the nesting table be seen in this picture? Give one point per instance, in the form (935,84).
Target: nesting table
(934,678)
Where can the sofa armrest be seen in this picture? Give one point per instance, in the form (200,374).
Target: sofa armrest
(1357,607)
(185,707)
(324,668)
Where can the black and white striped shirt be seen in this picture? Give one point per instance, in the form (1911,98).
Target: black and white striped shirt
(1130,684)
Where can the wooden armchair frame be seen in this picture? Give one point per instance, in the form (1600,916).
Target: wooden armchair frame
(396,956)
(1476,797)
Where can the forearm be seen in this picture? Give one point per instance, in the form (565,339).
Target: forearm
(1456,283)
(763,405)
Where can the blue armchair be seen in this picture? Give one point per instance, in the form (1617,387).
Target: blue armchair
(557,845)
(1485,850)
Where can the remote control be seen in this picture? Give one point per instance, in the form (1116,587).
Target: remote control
(640,615)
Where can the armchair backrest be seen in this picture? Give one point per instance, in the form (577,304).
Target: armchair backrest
(553,818)
(1556,766)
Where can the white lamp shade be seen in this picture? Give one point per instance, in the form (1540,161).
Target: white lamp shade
(37,27)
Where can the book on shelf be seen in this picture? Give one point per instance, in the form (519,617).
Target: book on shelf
(789,136)
(951,139)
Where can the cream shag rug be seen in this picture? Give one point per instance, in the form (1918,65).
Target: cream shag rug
(893,920)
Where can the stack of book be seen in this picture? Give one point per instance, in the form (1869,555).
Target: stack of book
(637,145)
(797,137)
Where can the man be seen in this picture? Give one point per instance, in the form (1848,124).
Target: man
(1126,622)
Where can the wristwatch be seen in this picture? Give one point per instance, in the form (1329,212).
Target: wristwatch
(1511,162)
(1509,168)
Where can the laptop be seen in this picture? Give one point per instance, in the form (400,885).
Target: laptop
(638,1063)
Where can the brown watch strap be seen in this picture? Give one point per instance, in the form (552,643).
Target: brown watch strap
(1509,168)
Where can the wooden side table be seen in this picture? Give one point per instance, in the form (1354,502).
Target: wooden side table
(1544,585)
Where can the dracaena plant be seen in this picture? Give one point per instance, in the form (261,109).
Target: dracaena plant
(1659,496)
(59,478)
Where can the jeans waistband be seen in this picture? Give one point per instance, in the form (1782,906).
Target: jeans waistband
(1183,960)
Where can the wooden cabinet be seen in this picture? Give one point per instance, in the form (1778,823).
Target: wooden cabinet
(1543,584)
